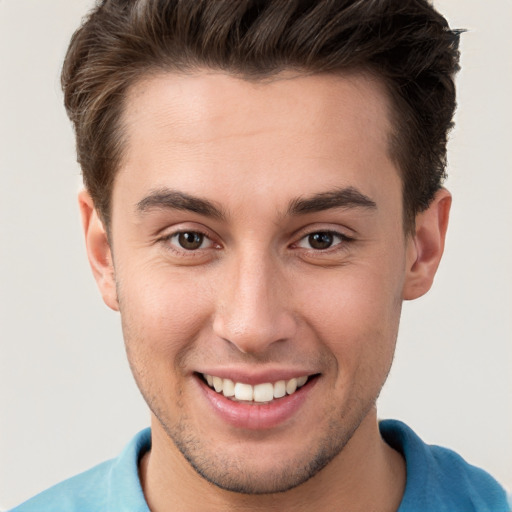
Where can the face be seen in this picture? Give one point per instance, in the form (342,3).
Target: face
(257,247)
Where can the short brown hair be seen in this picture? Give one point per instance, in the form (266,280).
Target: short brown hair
(405,42)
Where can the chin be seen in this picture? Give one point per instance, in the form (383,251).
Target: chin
(241,476)
(262,468)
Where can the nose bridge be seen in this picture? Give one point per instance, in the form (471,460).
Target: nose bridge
(253,311)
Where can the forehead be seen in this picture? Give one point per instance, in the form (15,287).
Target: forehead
(308,131)
(205,101)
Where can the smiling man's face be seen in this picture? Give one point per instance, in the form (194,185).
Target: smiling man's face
(257,246)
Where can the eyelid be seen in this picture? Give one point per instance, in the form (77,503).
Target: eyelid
(344,232)
(342,240)
(172,236)
(169,233)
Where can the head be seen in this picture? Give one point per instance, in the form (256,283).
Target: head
(407,45)
(263,190)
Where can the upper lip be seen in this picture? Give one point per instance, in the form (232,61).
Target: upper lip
(257,376)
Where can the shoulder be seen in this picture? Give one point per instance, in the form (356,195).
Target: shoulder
(108,486)
(438,479)
(83,492)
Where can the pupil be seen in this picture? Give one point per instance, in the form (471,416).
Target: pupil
(320,240)
(190,241)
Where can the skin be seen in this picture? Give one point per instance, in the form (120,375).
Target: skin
(256,296)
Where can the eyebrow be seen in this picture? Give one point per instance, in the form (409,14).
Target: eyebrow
(165,198)
(175,200)
(348,197)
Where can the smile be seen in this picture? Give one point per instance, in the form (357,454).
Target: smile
(259,393)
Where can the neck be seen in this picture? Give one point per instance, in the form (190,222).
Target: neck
(366,475)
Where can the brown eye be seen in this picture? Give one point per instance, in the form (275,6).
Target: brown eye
(321,240)
(190,240)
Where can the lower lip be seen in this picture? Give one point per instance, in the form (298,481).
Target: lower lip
(256,417)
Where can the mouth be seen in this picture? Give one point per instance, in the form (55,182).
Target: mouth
(264,393)
(262,405)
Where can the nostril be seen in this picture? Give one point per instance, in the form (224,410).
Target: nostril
(255,332)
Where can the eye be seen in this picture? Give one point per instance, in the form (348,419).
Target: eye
(321,240)
(190,240)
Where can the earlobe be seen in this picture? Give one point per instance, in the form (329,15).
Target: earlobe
(425,248)
(98,250)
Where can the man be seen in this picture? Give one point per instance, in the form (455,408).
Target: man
(263,190)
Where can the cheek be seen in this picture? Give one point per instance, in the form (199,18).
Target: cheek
(356,314)
(162,317)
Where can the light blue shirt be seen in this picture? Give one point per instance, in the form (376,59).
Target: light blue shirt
(438,480)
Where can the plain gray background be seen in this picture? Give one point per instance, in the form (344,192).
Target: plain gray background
(67,400)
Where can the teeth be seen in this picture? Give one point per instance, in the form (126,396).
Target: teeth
(217,384)
(291,386)
(301,381)
(261,393)
(280,389)
(243,391)
(228,388)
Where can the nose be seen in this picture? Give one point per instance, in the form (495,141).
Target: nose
(254,305)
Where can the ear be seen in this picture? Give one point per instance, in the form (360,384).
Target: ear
(425,247)
(98,250)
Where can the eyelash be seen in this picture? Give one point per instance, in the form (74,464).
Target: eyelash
(167,240)
(341,244)
(343,241)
